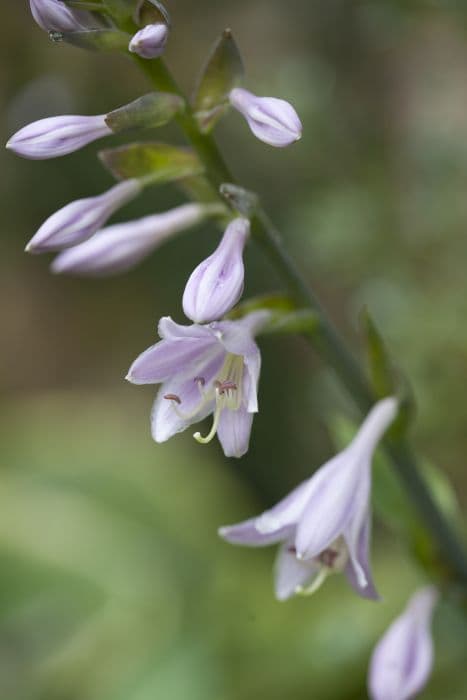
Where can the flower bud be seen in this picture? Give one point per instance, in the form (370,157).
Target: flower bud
(150,41)
(81,219)
(217,283)
(403,658)
(120,247)
(271,120)
(57,136)
(55,16)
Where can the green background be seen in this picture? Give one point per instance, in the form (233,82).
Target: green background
(113,583)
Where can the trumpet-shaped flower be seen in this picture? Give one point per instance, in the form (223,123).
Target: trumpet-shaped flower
(324,524)
(271,120)
(204,370)
(57,136)
(55,16)
(402,660)
(120,247)
(150,41)
(216,284)
(80,220)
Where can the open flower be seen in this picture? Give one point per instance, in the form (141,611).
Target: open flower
(403,658)
(271,120)
(216,284)
(120,247)
(57,136)
(204,370)
(55,16)
(324,524)
(150,41)
(79,220)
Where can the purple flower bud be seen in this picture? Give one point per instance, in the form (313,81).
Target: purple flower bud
(403,658)
(55,16)
(57,136)
(81,219)
(271,120)
(217,283)
(118,248)
(150,41)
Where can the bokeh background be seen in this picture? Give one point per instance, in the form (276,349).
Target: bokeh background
(113,583)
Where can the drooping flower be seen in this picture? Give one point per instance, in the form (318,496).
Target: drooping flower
(55,16)
(150,41)
(120,247)
(402,660)
(271,120)
(79,220)
(57,136)
(324,524)
(204,370)
(216,284)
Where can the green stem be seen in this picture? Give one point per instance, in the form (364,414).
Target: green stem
(327,341)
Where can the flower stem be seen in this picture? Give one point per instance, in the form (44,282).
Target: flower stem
(327,341)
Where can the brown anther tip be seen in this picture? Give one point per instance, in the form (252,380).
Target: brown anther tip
(200,380)
(227,386)
(173,397)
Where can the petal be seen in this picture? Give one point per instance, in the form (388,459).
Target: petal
(167,358)
(234,431)
(374,426)
(402,660)
(330,505)
(169,330)
(287,512)
(291,573)
(165,420)
(353,573)
(246,534)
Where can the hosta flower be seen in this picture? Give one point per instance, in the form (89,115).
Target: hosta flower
(402,660)
(55,16)
(150,41)
(217,283)
(324,524)
(57,136)
(81,219)
(204,370)
(122,246)
(271,120)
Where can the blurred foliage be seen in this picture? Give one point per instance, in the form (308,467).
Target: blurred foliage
(113,582)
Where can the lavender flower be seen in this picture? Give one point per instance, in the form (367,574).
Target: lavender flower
(122,246)
(57,136)
(55,16)
(203,370)
(81,219)
(271,120)
(150,41)
(217,283)
(403,658)
(324,524)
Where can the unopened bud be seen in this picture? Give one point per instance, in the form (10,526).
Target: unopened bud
(216,284)
(79,220)
(55,16)
(271,120)
(150,41)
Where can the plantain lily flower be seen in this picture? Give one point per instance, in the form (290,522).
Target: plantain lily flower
(323,525)
(271,120)
(402,660)
(203,370)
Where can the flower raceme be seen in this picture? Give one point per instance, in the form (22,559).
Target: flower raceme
(57,136)
(403,658)
(55,16)
(271,120)
(216,284)
(150,41)
(120,247)
(203,370)
(80,220)
(324,524)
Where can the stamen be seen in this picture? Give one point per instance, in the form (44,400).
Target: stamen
(317,583)
(173,397)
(215,424)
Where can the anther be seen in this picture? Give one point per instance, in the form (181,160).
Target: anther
(328,558)
(200,380)
(173,397)
(226,386)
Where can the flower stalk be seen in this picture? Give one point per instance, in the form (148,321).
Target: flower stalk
(327,341)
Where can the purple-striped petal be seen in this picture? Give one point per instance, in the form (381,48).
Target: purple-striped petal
(366,587)
(246,534)
(234,431)
(291,574)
